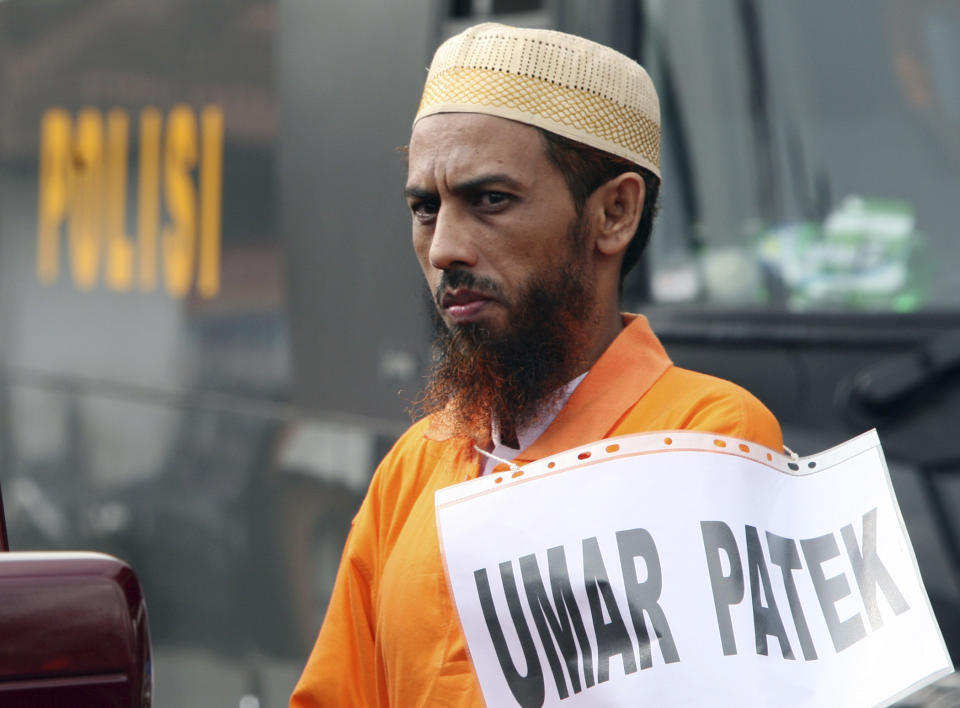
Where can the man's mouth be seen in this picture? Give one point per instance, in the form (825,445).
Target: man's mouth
(462,305)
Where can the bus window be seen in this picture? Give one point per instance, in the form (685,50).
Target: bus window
(811,155)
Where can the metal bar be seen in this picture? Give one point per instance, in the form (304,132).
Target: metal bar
(941,518)
(758,86)
(184,398)
(4,544)
(6,454)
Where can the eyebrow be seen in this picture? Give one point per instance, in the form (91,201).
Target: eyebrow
(466,187)
(478,183)
(418,193)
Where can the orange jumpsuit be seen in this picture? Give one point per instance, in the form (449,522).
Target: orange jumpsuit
(391,636)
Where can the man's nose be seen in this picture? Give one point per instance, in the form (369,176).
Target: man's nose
(452,244)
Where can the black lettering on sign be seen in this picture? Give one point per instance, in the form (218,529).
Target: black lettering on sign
(870,571)
(529,689)
(783,553)
(612,636)
(558,625)
(766,618)
(645,597)
(727,589)
(564,636)
(817,551)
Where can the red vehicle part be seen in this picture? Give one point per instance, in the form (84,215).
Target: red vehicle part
(73,632)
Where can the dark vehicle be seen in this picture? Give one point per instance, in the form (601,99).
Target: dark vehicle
(209,303)
(73,631)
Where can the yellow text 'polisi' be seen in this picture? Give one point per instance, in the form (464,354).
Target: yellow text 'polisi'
(82,199)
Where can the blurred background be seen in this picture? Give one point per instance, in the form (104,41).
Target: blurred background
(212,322)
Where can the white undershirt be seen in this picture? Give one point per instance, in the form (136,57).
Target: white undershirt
(527,434)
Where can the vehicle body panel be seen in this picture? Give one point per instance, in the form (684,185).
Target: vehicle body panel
(74,632)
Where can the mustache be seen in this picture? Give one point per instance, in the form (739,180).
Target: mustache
(453,279)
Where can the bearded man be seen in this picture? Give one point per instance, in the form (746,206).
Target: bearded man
(533,171)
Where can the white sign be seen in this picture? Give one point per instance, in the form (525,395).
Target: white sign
(687,569)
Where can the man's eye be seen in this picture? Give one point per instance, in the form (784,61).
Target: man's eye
(493,199)
(424,209)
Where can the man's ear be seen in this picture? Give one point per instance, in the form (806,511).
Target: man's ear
(619,203)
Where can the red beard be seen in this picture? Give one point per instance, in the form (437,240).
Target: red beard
(514,375)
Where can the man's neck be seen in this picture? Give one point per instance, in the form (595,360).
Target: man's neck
(608,327)
(522,436)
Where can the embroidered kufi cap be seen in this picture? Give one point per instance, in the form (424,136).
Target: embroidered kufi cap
(559,82)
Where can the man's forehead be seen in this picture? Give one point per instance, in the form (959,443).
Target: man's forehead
(467,143)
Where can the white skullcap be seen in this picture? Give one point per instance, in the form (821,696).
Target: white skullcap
(565,84)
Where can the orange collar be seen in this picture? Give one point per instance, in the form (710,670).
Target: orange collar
(621,376)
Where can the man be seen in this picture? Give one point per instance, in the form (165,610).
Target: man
(533,168)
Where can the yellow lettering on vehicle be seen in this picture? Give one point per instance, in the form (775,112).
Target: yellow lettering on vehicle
(82,199)
(179,238)
(52,203)
(86,198)
(119,246)
(148,210)
(211,187)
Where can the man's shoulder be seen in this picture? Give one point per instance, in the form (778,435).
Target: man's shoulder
(414,441)
(416,437)
(696,383)
(412,465)
(683,399)
(415,449)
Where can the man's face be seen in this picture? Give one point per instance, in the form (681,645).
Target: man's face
(491,214)
(507,259)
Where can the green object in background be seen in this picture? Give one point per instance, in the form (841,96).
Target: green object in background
(859,258)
